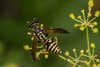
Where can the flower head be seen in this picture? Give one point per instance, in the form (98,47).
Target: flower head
(86,20)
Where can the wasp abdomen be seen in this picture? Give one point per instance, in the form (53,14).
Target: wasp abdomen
(51,46)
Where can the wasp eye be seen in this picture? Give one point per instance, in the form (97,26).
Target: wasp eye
(33,23)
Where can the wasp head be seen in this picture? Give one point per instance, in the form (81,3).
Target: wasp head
(33,24)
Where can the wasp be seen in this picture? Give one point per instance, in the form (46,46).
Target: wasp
(40,35)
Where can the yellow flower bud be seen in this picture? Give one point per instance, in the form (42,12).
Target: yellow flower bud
(66,53)
(90,3)
(94,65)
(97,60)
(89,14)
(86,62)
(38,55)
(74,50)
(72,16)
(26,47)
(81,51)
(29,33)
(76,25)
(95,30)
(79,17)
(69,60)
(73,66)
(95,23)
(91,25)
(82,28)
(87,50)
(32,38)
(46,56)
(82,11)
(97,13)
(92,45)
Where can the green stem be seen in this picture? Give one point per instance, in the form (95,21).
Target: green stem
(88,41)
(79,21)
(92,19)
(64,58)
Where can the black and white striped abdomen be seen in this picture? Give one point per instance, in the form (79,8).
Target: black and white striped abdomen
(51,46)
(41,36)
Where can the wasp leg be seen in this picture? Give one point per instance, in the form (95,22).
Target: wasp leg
(41,52)
(35,54)
(33,51)
(31,34)
(44,51)
(37,40)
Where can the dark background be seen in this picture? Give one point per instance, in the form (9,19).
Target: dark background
(13,29)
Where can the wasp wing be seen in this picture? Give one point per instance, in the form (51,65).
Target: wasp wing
(56,30)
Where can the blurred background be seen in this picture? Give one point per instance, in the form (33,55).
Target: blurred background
(13,29)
